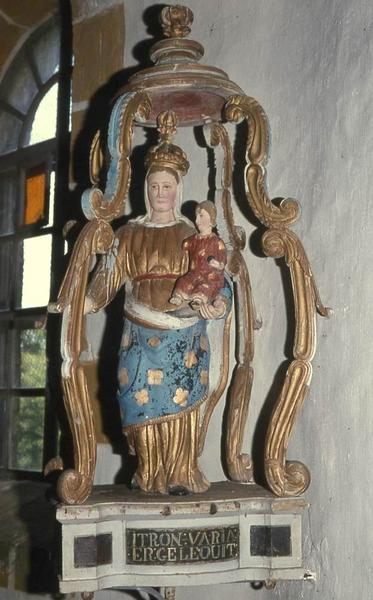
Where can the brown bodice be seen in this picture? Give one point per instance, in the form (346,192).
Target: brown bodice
(154,259)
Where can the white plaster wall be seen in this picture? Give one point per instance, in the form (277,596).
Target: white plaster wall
(309,63)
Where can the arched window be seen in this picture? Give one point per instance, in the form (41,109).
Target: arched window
(29,244)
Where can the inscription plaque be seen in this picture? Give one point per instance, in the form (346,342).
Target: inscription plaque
(162,546)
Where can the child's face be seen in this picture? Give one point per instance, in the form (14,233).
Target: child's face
(203,220)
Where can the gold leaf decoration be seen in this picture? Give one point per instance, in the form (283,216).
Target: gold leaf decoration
(142,397)
(181,397)
(126,341)
(204,377)
(123,376)
(155,376)
(190,359)
(203,343)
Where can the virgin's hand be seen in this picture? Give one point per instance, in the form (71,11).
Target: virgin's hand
(216,310)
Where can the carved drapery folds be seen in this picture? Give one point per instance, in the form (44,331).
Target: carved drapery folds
(75,485)
(283,477)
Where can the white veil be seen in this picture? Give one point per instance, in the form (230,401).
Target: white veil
(146,219)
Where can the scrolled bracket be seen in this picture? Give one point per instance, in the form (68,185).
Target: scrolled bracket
(97,237)
(239,108)
(287,478)
(109,205)
(284,243)
(292,477)
(217,137)
(74,486)
(283,477)
(238,465)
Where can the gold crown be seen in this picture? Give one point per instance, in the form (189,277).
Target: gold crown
(167,154)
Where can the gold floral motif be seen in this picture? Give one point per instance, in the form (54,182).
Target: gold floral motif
(142,397)
(154,342)
(190,359)
(203,343)
(155,376)
(181,397)
(204,377)
(123,376)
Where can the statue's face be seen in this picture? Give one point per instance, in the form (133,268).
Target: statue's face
(162,191)
(203,221)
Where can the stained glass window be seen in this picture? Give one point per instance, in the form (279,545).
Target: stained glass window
(28,245)
(35,195)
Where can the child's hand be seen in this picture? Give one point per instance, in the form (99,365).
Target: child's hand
(216,310)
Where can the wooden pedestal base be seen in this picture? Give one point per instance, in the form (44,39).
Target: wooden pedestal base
(232,533)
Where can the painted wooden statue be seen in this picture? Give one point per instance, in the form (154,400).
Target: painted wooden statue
(165,356)
(182,285)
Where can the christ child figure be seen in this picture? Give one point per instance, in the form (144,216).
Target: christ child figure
(207,259)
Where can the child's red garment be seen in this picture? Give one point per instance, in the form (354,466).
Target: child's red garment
(202,281)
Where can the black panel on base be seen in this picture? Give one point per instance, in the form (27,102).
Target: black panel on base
(270,540)
(92,551)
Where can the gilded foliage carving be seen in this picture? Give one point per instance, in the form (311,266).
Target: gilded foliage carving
(239,466)
(74,485)
(284,477)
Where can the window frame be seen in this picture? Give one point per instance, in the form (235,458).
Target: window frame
(50,152)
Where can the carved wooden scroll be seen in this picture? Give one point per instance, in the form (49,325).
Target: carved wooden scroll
(75,485)
(283,477)
(239,465)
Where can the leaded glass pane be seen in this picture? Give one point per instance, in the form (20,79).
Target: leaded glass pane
(35,195)
(8,199)
(46,51)
(26,433)
(52,192)
(19,87)
(3,440)
(6,270)
(32,372)
(45,120)
(36,271)
(4,356)
(10,127)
